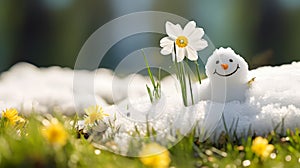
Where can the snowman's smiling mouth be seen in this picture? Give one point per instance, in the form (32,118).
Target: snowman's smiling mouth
(226,75)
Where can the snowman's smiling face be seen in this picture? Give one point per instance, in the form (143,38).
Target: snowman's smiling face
(225,63)
(225,66)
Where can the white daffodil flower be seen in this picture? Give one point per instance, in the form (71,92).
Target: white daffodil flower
(187,41)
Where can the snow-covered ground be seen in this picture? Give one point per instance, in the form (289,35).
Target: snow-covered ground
(273,97)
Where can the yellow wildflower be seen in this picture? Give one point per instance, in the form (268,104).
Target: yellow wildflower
(55,133)
(261,147)
(11,115)
(155,156)
(94,113)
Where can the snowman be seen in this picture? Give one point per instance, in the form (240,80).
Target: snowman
(227,74)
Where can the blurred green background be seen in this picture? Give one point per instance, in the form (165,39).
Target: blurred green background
(52,32)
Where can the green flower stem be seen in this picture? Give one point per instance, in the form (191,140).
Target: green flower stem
(183,74)
(183,81)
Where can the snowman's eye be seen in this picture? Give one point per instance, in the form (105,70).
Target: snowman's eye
(217,62)
(230,60)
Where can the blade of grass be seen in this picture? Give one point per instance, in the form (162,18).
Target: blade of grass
(198,71)
(191,89)
(156,93)
(148,69)
(149,93)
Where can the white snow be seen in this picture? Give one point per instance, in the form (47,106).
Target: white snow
(273,96)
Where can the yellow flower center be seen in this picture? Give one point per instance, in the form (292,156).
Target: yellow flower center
(181,41)
(94,113)
(94,116)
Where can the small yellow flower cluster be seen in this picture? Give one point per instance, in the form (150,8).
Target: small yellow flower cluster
(55,133)
(155,156)
(261,147)
(12,117)
(93,114)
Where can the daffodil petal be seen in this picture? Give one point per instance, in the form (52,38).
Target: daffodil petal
(173,31)
(197,34)
(167,50)
(198,44)
(166,41)
(173,56)
(180,54)
(189,28)
(191,54)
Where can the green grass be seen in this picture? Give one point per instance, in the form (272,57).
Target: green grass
(156,93)
(26,147)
